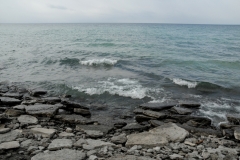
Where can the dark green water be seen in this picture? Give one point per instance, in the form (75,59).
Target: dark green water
(124,65)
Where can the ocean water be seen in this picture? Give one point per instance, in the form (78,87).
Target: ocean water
(124,65)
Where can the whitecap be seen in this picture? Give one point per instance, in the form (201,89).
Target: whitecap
(182,82)
(103,61)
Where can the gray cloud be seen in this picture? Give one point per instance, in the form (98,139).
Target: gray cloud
(124,11)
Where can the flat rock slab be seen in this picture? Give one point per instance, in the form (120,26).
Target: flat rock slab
(42,109)
(130,157)
(65,134)
(4,130)
(101,128)
(81,111)
(189,104)
(134,126)
(157,106)
(120,139)
(27,119)
(237,133)
(37,92)
(59,144)
(180,110)
(158,136)
(52,99)
(203,121)
(93,144)
(9,101)
(64,154)
(9,136)
(9,145)
(154,114)
(12,95)
(44,132)
(74,118)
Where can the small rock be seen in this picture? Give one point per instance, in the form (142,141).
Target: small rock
(27,119)
(19,107)
(42,109)
(69,130)
(134,126)
(81,111)
(119,139)
(4,130)
(37,92)
(80,142)
(9,136)
(92,157)
(13,112)
(93,144)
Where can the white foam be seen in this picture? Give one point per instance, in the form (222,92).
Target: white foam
(182,82)
(103,61)
(215,105)
(211,113)
(122,87)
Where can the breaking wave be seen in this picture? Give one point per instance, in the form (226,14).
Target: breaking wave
(182,82)
(94,62)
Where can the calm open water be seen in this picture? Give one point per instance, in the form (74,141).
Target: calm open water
(124,65)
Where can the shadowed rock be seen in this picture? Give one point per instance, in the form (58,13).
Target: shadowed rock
(134,126)
(71,104)
(59,144)
(179,110)
(52,100)
(73,118)
(12,95)
(101,128)
(203,121)
(9,101)
(27,119)
(233,118)
(13,112)
(189,104)
(154,114)
(43,131)
(37,92)
(157,106)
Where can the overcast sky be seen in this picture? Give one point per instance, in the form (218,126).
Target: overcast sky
(120,11)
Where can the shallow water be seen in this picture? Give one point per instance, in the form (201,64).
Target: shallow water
(124,65)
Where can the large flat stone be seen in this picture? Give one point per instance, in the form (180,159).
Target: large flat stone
(157,106)
(44,132)
(9,136)
(9,101)
(12,95)
(93,144)
(134,126)
(59,144)
(27,119)
(189,104)
(19,107)
(9,145)
(4,130)
(158,136)
(180,110)
(73,118)
(52,99)
(154,114)
(37,91)
(14,112)
(64,154)
(81,111)
(42,109)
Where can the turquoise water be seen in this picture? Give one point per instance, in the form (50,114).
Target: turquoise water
(124,65)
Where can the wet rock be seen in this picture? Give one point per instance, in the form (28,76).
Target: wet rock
(81,111)
(9,136)
(73,118)
(179,110)
(157,106)
(69,130)
(9,145)
(203,121)
(52,100)
(27,119)
(44,132)
(12,95)
(156,123)
(189,104)
(59,144)
(4,130)
(228,133)
(9,101)
(142,118)
(3,89)
(71,104)
(37,92)
(13,112)
(201,131)
(154,114)
(32,102)
(63,154)
(120,124)
(158,136)
(94,144)
(233,118)
(42,109)
(120,139)
(20,107)
(134,126)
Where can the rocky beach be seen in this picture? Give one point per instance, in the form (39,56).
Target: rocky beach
(36,126)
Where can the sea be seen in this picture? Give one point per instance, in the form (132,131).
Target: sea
(124,65)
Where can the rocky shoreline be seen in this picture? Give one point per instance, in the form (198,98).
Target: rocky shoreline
(35,126)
